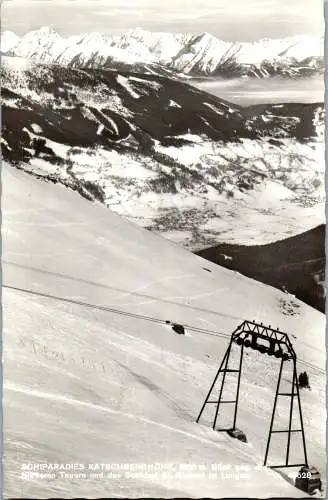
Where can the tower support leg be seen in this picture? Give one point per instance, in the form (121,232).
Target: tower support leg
(301,417)
(214,381)
(222,384)
(238,385)
(273,413)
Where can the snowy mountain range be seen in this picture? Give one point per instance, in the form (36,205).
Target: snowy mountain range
(95,375)
(185,54)
(165,154)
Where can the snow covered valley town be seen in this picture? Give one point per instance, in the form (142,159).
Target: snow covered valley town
(158,190)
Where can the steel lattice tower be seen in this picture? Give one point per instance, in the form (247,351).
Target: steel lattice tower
(276,343)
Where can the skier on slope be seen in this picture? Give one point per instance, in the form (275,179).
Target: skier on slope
(303,380)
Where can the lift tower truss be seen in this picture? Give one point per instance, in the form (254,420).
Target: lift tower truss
(272,342)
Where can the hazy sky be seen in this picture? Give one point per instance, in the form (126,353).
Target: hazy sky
(226,19)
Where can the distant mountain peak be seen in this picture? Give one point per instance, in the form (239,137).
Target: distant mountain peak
(47,30)
(43,32)
(8,40)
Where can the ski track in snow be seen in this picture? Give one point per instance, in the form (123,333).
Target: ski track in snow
(76,402)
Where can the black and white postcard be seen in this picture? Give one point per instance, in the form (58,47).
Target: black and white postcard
(163,257)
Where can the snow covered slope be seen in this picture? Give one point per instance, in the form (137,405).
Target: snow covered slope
(194,54)
(296,264)
(88,385)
